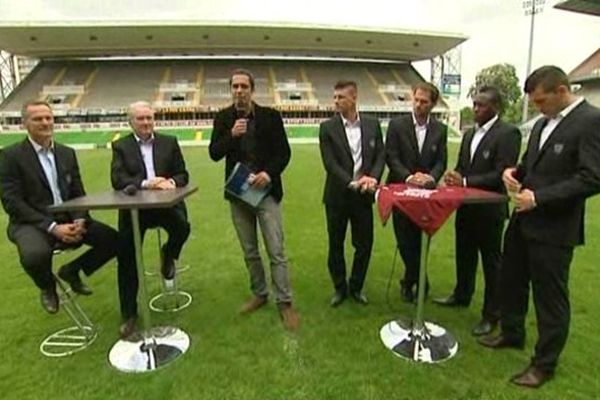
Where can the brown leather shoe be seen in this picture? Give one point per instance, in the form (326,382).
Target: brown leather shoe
(253,304)
(501,342)
(289,317)
(532,377)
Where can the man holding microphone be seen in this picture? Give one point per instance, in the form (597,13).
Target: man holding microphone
(253,135)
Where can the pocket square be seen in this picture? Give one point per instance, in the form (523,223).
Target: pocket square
(372,143)
(434,148)
(68,178)
(558,148)
(486,154)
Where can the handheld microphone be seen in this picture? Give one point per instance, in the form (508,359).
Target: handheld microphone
(130,189)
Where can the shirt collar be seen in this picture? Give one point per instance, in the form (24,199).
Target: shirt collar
(416,123)
(139,140)
(565,111)
(37,147)
(347,123)
(486,127)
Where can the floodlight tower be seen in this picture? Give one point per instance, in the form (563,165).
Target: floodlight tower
(446,75)
(531,7)
(7,74)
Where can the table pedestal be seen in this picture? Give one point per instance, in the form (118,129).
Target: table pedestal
(418,340)
(151,348)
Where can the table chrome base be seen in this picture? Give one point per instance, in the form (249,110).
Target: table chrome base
(68,341)
(150,350)
(429,344)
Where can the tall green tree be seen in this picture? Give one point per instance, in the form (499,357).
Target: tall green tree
(503,77)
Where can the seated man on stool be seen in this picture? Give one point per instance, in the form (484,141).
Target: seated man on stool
(147,160)
(35,174)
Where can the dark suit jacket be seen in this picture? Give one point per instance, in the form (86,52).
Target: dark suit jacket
(337,157)
(402,152)
(26,192)
(272,148)
(128,167)
(499,149)
(562,175)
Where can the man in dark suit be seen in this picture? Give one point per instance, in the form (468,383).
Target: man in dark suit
(353,156)
(35,174)
(558,171)
(415,151)
(485,152)
(147,160)
(254,136)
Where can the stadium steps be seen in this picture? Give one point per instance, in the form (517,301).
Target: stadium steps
(88,82)
(373,80)
(272,82)
(164,80)
(57,78)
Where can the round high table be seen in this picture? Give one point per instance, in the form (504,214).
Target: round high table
(416,339)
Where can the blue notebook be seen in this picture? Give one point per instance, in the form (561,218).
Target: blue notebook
(238,186)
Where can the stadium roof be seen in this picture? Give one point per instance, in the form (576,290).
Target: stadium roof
(591,7)
(155,38)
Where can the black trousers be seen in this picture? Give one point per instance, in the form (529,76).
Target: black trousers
(360,215)
(174,221)
(408,238)
(546,267)
(476,234)
(35,249)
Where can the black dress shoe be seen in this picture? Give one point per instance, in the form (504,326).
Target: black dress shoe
(484,327)
(49,300)
(168,265)
(337,299)
(406,292)
(532,377)
(501,342)
(71,275)
(127,328)
(450,301)
(360,298)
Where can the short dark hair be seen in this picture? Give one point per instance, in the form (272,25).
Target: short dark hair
(344,83)
(434,93)
(549,77)
(242,71)
(494,95)
(30,103)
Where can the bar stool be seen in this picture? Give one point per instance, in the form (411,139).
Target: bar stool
(179,269)
(170,299)
(67,341)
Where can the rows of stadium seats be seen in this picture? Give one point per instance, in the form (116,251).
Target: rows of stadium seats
(92,85)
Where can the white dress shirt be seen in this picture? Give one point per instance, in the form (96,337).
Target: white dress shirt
(420,131)
(553,122)
(354,136)
(479,135)
(146,146)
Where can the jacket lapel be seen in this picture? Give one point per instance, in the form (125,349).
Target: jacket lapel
(562,126)
(486,137)
(32,159)
(412,137)
(339,134)
(137,152)
(365,137)
(430,136)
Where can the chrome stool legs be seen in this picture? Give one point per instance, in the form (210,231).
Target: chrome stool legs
(179,269)
(72,339)
(171,299)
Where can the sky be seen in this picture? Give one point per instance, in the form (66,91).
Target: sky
(498,30)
